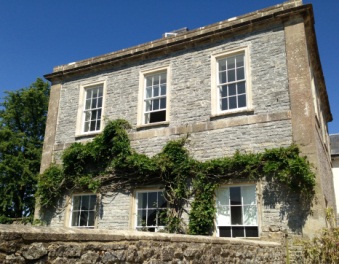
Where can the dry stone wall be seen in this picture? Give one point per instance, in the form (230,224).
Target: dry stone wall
(25,244)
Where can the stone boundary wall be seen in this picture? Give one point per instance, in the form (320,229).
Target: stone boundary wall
(27,244)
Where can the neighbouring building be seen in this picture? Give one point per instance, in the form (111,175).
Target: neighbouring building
(249,83)
(334,140)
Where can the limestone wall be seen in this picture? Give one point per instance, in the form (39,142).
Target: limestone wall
(24,244)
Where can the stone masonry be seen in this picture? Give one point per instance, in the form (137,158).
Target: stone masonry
(23,244)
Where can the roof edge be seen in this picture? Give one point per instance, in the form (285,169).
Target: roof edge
(232,24)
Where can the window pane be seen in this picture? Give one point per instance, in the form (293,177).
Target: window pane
(225,231)
(88,93)
(83,218)
(251,231)
(142,200)
(163,78)
(240,74)
(156,105)
(88,104)
(236,215)
(91,218)
(86,128)
(157,117)
(242,101)
(149,81)
(98,125)
(85,202)
(241,87)
(231,75)
(95,93)
(152,200)
(231,63)
(94,115)
(92,202)
(248,193)
(99,114)
(148,106)
(99,102)
(222,77)
(100,92)
(224,104)
(163,89)
(151,217)
(94,103)
(240,60)
(233,102)
(149,92)
(162,103)
(222,65)
(223,91)
(235,195)
(232,89)
(223,209)
(75,218)
(156,90)
(238,231)
(141,218)
(76,203)
(250,215)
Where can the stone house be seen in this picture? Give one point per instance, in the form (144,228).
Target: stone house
(249,83)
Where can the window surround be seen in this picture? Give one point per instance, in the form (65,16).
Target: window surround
(215,104)
(81,108)
(141,97)
(134,222)
(69,212)
(256,205)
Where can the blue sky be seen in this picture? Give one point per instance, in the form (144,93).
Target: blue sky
(37,35)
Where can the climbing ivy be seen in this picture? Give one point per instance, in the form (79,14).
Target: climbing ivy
(109,160)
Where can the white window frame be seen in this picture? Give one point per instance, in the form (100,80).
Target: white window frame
(222,221)
(94,211)
(215,91)
(152,228)
(142,95)
(84,88)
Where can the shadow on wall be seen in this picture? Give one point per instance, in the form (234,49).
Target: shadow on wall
(294,208)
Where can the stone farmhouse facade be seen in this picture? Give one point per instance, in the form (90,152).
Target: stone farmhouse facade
(249,83)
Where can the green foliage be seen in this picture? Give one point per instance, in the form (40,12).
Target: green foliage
(109,160)
(201,220)
(22,126)
(323,248)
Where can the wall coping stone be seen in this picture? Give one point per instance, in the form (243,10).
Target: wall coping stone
(40,234)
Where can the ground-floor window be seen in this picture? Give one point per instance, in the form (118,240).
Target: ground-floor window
(237,214)
(83,210)
(151,210)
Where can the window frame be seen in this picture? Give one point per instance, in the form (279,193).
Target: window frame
(215,91)
(149,228)
(71,211)
(142,95)
(242,206)
(80,126)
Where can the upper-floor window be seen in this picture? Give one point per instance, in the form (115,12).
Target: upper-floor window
(83,210)
(153,105)
(237,214)
(230,84)
(155,98)
(151,210)
(93,108)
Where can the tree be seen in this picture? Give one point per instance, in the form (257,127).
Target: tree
(23,116)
